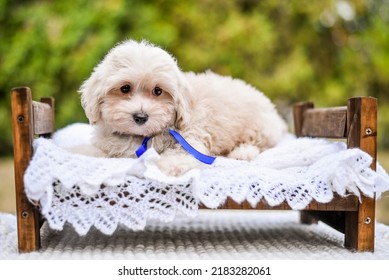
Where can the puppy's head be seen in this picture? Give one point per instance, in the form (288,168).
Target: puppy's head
(137,89)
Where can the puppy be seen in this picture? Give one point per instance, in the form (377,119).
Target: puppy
(139,91)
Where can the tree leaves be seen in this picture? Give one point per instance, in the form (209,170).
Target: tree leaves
(326,51)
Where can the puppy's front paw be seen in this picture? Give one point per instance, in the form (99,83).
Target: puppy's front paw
(244,152)
(176,165)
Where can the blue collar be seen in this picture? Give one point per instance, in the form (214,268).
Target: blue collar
(187,147)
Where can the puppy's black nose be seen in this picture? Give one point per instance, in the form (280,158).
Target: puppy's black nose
(140,118)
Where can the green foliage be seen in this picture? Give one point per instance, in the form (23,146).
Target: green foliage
(326,51)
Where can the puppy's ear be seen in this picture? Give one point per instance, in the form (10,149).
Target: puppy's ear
(91,97)
(183,102)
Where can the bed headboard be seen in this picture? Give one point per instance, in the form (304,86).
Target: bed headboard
(29,118)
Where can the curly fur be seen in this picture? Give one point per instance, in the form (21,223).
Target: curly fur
(217,115)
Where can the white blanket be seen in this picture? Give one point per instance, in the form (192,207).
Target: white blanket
(107,192)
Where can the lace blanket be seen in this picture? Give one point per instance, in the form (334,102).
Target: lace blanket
(108,192)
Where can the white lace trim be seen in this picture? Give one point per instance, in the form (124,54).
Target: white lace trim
(107,192)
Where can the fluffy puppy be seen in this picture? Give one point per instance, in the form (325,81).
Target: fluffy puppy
(138,90)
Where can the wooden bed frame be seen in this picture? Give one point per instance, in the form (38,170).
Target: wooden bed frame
(356,122)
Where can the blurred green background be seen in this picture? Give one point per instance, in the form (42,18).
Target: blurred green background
(325,51)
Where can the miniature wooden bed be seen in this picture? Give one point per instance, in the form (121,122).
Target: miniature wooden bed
(356,122)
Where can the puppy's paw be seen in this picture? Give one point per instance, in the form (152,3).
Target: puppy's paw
(177,165)
(244,152)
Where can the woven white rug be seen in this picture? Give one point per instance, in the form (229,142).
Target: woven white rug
(220,234)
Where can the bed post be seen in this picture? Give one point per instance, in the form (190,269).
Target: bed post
(362,133)
(306,216)
(28,217)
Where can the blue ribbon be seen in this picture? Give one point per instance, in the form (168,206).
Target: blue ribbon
(142,147)
(187,147)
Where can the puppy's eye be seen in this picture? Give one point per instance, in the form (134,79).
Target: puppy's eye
(125,89)
(157,91)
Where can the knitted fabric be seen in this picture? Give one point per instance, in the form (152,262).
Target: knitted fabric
(108,192)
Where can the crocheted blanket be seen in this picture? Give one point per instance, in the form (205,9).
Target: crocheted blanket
(108,192)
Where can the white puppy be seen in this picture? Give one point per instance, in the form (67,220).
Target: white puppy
(138,90)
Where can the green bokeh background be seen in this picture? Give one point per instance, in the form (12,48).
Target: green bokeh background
(325,51)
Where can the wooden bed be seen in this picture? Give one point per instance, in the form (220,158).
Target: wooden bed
(356,122)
